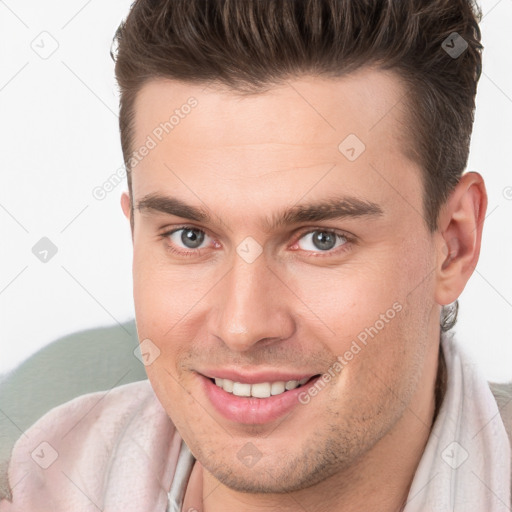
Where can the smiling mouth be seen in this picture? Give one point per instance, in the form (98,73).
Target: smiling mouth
(260,389)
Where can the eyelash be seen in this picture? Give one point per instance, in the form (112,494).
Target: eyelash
(343,248)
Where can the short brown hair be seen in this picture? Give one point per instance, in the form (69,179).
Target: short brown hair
(250,45)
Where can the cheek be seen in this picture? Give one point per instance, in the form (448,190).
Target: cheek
(169,312)
(163,293)
(378,301)
(351,296)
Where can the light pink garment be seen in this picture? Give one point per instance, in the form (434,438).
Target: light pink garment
(115,451)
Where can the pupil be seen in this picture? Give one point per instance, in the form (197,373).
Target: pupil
(192,238)
(324,240)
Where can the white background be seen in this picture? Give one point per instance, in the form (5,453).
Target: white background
(59,140)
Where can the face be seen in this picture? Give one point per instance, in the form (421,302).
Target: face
(241,273)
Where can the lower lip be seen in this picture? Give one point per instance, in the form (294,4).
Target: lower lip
(250,410)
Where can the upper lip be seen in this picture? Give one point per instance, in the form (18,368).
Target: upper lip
(255,376)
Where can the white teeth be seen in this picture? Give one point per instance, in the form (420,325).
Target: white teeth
(240,389)
(228,385)
(260,389)
(291,384)
(277,388)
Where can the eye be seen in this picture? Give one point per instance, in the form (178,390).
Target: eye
(186,237)
(321,240)
(189,241)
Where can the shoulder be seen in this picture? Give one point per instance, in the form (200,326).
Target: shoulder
(106,411)
(121,435)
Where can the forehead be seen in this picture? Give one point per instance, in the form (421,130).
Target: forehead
(282,139)
(320,107)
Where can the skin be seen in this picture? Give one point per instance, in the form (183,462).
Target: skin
(356,445)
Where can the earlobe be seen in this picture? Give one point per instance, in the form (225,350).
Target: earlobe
(459,237)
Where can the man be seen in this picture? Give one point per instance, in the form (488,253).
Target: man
(302,229)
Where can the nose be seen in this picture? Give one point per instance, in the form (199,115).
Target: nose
(251,306)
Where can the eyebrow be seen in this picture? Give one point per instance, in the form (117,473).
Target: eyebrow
(337,207)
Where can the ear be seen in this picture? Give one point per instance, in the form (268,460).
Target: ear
(459,236)
(126,205)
